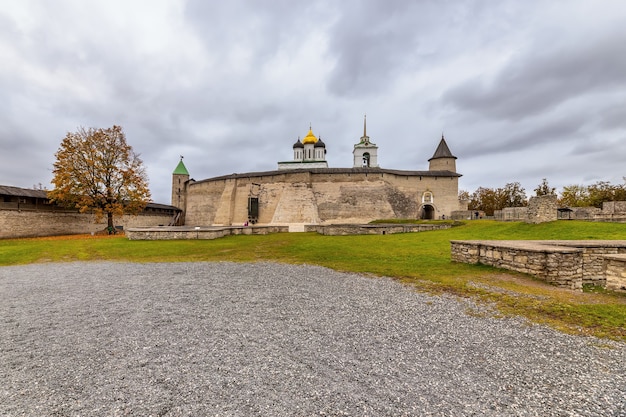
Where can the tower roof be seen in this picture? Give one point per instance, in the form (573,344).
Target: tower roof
(319,143)
(442,150)
(309,138)
(181,169)
(298,144)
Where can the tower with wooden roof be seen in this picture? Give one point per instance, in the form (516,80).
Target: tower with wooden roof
(442,159)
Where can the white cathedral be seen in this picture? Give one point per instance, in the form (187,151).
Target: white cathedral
(311,153)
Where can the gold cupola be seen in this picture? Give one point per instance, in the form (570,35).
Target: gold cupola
(309,138)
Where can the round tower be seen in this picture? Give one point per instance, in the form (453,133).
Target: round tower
(442,159)
(180,176)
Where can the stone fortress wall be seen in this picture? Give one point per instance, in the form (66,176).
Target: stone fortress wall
(322,196)
(38,223)
(29,213)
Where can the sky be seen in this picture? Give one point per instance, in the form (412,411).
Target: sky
(521,90)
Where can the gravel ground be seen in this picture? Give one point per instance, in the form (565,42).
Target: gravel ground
(225,339)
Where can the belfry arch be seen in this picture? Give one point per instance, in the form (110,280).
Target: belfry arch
(366,159)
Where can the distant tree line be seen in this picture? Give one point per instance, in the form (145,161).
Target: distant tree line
(513,195)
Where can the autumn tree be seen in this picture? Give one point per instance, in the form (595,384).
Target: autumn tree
(574,196)
(603,191)
(513,195)
(592,195)
(484,199)
(544,189)
(96,170)
(490,199)
(464,195)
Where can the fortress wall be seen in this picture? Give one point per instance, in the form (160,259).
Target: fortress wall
(350,202)
(317,198)
(31,223)
(203,200)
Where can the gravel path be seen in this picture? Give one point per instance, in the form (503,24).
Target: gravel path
(225,339)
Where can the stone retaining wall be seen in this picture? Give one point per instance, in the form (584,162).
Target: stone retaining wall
(565,263)
(556,265)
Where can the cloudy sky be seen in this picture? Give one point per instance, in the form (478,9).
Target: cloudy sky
(522,90)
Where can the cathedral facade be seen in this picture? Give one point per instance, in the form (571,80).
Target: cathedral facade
(306,191)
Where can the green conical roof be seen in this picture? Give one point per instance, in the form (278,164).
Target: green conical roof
(181,169)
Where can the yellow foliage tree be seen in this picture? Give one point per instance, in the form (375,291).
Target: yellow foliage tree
(96,170)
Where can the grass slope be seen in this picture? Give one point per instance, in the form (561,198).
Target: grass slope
(421,259)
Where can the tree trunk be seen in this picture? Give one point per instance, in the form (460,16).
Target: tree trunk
(110,227)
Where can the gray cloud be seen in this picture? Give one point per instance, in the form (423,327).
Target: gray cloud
(544,77)
(522,90)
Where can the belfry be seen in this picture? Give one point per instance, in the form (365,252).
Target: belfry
(365,152)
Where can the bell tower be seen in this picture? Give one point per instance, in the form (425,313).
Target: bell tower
(365,152)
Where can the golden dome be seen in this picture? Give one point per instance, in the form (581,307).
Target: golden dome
(309,138)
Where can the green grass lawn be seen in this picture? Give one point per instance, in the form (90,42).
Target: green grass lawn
(419,259)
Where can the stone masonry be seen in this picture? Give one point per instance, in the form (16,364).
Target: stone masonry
(321,196)
(35,223)
(542,209)
(564,263)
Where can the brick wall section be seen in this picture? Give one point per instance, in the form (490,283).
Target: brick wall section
(32,223)
(565,263)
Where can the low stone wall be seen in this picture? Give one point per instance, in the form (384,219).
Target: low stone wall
(556,265)
(511,214)
(375,229)
(615,269)
(199,232)
(215,232)
(565,263)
